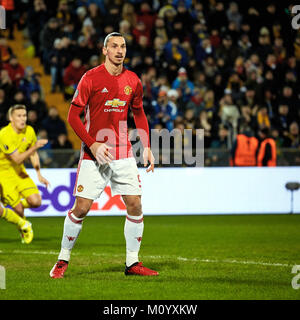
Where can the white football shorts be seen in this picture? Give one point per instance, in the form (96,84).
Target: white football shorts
(92,178)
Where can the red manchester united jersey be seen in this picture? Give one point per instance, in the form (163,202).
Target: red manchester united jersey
(105,99)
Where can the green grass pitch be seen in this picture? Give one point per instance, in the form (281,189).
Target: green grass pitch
(198,257)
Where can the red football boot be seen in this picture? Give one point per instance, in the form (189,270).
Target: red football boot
(59,269)
(139,270)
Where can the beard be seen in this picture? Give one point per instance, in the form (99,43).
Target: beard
(118,61)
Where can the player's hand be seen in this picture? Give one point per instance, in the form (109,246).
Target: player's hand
(148,157)
(101,153)
(43,180)
(40,143)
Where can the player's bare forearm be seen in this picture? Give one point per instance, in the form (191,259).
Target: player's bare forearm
(35,161)
(19,158)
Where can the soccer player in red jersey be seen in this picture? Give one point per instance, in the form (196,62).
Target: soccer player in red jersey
(105,93)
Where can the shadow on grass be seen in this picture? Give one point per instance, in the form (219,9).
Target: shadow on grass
(47,239)
(5,240)
(119,268)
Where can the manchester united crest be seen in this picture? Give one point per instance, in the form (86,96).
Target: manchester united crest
(128,90)
(80,188)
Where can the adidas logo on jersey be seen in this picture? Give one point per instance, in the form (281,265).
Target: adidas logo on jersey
(104,90)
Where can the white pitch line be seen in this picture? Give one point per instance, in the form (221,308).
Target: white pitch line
(249,262)
(35,252)
(237,261)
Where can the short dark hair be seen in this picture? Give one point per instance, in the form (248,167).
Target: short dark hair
(112,34)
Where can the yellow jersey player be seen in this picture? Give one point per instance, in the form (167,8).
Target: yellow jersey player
(18,142)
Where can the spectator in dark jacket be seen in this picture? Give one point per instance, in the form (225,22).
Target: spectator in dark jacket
(289,99)
(6,84)
(38,105)
(228,51)
(217,17)
(47,36)
(203,50)
(57,62)
(30,82)
(292,139)
(62,142)
(33,121)
(36,19)
(282,120)
(173,51)
(54,124)
(19,98)
(84,50)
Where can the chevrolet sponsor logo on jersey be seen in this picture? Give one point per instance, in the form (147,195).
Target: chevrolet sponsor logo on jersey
(115,104)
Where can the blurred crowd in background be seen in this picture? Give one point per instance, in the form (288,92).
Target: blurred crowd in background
(222,66)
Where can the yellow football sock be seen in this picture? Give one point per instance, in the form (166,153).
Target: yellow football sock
(12,217)
(25,204)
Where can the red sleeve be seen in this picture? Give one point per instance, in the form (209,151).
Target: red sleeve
(141,123)
(137,101)
(82,94)
(77,125)
(140,118)
(80,100)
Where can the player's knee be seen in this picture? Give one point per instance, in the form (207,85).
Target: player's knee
(81,210)
(134,208)
(34,202)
